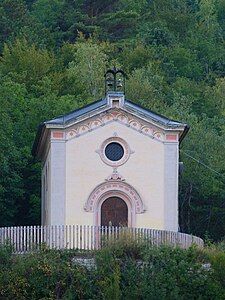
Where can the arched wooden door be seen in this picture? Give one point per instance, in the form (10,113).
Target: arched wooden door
(114,212)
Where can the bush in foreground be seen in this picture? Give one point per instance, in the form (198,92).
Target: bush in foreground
(121,271)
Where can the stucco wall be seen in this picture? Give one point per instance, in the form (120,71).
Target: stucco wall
(46,191)
(144,170)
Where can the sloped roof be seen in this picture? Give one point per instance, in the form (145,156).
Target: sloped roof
(73,115)
(103,103)
(152,115)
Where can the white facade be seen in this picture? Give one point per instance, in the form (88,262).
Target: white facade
(79,175)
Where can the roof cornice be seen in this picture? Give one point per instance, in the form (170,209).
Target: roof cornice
(113,100)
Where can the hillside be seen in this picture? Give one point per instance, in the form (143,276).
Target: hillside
(53,57)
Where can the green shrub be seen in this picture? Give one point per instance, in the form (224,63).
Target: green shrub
(216,258)
(108,275)
(170,273)
(147,273)
(5,255)
(126,245)
(49,274)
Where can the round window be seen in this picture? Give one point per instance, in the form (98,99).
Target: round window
(114,151)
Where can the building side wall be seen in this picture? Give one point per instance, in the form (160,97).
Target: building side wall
(46,191)
(144,170)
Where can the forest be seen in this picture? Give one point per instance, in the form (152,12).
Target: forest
(53,56)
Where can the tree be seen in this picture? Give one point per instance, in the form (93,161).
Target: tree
(201,194)
(146,87)
(85,72)
(14,15)
(218,96)
(11,159)
(25,63)
(48,12)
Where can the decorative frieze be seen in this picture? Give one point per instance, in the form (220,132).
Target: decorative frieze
(122,118)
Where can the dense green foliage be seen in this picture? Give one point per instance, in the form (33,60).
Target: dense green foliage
(121,271)
(53,57)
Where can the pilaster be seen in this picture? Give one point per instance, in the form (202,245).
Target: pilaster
(57,179)
(171,153)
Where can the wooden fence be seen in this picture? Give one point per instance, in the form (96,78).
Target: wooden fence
(25,239)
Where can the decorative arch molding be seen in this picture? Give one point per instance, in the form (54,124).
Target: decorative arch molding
(124,118)
(114,189)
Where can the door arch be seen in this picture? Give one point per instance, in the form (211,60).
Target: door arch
(118,189)
(114,212)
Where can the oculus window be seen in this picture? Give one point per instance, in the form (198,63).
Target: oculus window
(114,151)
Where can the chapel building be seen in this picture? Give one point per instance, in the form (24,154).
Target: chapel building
(111,162)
